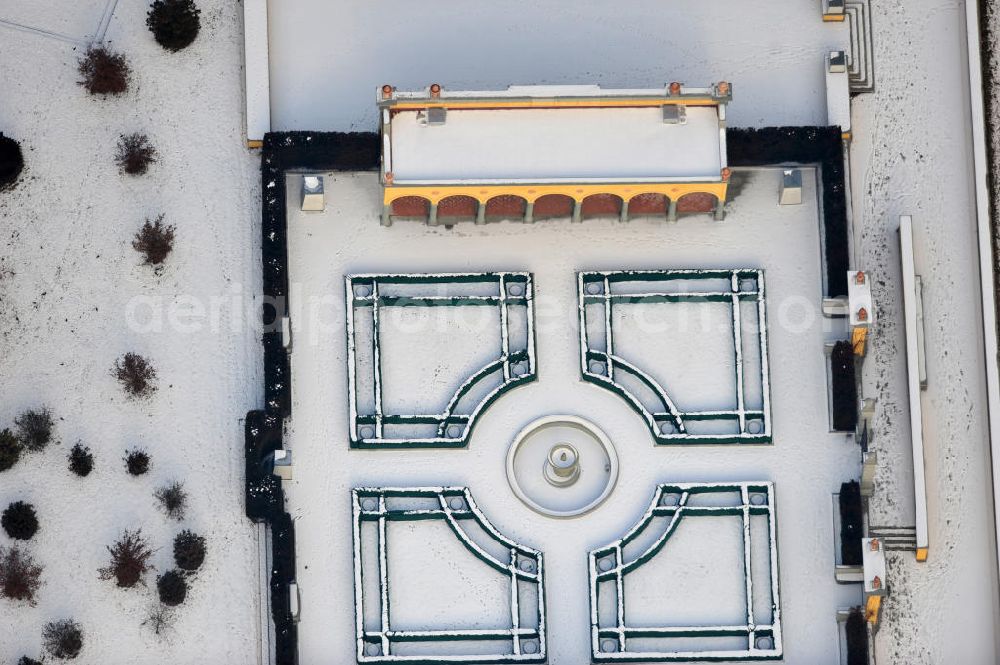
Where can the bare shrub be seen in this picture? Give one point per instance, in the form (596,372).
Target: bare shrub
(19,520)
(104,71)
(28,661)
(63,639)
(10,449)
(81,461)
(189,550)
(11,161)
(160,619)
(129,560)
(34,429)
(136,375)
(137,462)
(135,154)
(174,23)
(20,576)
(154,241)
(173,500)
(172,588)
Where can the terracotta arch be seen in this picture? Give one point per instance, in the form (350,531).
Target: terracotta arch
(554,205)
(648,204)
(459,205)
(411,206)
(506,206)
(696,202)
(601,205)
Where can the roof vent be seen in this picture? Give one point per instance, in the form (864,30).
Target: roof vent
(435,115)
(674,114)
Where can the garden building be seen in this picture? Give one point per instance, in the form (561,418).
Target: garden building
(536,152)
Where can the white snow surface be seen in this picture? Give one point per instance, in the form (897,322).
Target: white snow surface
(807,463)
(577,144)
(68,277)
(328,58)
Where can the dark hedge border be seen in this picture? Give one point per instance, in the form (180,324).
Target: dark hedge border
(844,387)
(990,62)
(284,151)
(805,145)
(857,638)
(265,502)
(265,499)
(851,523)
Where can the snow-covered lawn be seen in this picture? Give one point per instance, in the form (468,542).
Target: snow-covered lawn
(806,462)
(328,58)
(79,20)
(65,235)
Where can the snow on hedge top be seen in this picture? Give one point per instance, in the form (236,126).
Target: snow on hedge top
(542,134)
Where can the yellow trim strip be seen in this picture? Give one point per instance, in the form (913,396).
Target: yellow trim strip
(483,193)
(921,554)
(833,18)
(607,102)
(252,143)
(872,607)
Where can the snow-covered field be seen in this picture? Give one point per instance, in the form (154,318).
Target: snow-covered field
(328,58)
(807,463)
(69,277)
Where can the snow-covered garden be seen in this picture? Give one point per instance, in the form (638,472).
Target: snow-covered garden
(667,326)
(448,383)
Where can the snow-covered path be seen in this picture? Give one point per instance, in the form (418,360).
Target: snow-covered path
(912,154)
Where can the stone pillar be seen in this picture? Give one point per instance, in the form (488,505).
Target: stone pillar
(432,220)
(529,213)
(720,209)
(624,214)
(481,213)
(577,205)
(672,211)
(387,214)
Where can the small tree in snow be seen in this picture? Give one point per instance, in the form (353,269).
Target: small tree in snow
(136,375)
(129,560)
(10,449)
(63,639)
(189,551)
(135,154)
(172,588)
(174,23)
(160,619)
(137,462)
(19,575)
(11,161)
(81,461)
(154,241)
(20,521)
(173,500)
(104,72)
(34,429)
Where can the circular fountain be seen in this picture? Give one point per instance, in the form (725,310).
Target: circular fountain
(562,466)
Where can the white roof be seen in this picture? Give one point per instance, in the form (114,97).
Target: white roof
(567,144)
